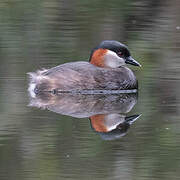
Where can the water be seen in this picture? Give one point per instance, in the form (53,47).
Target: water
(53,143)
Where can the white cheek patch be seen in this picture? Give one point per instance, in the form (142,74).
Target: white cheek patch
(112,60)
(111,121)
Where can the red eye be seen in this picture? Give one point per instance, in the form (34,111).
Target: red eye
(120,53)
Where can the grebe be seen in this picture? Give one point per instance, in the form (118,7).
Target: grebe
(106,71)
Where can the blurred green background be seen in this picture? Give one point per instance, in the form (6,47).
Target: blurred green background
(39,144)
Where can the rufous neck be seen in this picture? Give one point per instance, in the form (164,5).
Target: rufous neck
(97,57)
(97,122)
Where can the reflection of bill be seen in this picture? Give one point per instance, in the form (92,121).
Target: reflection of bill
(107,112)
(112,126)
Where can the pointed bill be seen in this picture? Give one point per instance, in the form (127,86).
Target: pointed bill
(130,60)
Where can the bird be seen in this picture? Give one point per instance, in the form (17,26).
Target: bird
(106,72)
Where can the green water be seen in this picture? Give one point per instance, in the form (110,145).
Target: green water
(48,145)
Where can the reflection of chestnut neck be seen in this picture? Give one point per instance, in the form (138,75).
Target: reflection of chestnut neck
(97,122)
(97,58)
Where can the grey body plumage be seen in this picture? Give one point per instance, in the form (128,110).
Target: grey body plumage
(78,76)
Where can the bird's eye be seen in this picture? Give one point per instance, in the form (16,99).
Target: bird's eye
(120,53)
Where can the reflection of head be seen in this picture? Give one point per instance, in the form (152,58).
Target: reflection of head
(112,126)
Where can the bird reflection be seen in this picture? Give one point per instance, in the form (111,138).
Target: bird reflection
(112,126)
(107,113)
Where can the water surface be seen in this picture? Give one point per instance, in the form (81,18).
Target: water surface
(38,143)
